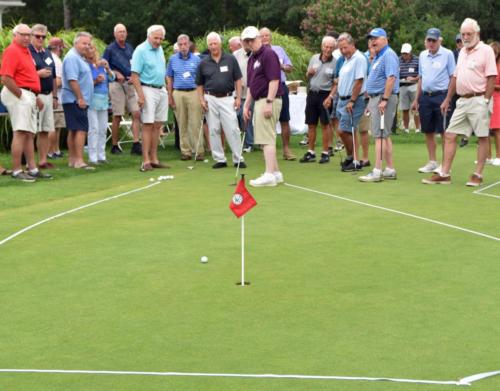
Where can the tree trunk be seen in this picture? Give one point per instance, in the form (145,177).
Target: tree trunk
(67,15)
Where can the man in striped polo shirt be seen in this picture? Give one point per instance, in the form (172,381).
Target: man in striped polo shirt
(183,98)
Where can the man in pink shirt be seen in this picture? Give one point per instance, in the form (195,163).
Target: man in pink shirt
(474,82)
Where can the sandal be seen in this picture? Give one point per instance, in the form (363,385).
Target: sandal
(289,156)
(5,172)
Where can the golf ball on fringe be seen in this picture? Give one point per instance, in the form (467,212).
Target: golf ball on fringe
(204,259)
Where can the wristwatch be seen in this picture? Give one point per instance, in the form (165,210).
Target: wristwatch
(269,100)
(385,99)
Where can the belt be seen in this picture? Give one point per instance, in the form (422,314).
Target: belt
(433,93)
(30,90)
(219,94)
(472,95)
(46,92)
(345,97)
(319,92)
(152,86)
(184,89)
(406,84)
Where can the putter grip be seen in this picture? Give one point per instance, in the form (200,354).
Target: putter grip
(382,121)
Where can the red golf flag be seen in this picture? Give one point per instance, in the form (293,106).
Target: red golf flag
(242,200)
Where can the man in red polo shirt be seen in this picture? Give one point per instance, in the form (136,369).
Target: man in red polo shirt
(21,85)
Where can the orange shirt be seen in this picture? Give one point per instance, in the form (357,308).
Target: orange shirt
(473,67)
(20,66)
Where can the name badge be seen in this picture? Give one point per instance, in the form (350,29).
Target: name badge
(436,65)
(375,65)
(329,71)
(411,70)
(186,74)
(223,68)
(48,61)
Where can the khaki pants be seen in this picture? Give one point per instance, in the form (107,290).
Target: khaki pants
(188,114)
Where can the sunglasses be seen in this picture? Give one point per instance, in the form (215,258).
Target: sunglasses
(39,36)
(431,40)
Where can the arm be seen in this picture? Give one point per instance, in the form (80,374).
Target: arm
(271,94)
(247,114)
(75,87)
(11,85)
(328,101)
(136,82)
(170,90)
(414,105)
(490,87)
(201,95)
(356,88)
(452,89)
(237,101)
(55,100)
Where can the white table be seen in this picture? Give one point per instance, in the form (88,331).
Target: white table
(297,114)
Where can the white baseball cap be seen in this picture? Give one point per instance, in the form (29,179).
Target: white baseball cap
(250,32)
(406,48)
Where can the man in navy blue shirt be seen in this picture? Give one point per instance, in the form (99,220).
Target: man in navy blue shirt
(45,67)
(122,93)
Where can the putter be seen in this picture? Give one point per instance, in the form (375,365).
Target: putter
(197,147)
(354,152)
(382,128)
(239,161)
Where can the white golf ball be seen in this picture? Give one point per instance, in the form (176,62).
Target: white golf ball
(151,179)
(204,259)
(205,161)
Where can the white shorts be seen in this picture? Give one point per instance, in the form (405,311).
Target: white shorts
(155,105)
(46,116)
(22,111)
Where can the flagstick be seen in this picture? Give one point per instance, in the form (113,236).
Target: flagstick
(242,250)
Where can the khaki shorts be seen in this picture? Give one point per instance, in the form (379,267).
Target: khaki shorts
(22,111)
(265,128)
(364,123)
(471,114)
(59,121)
(46,116)
(122,96)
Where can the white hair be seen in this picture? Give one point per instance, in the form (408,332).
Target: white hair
(183,36)
(346,37)
(154,28)
(214,35)
(117,26)
(472,23)
(18,27)
(80,35)
(39,27)
(234,39)
(328,39)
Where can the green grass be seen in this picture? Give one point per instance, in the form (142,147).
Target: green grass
(336,288)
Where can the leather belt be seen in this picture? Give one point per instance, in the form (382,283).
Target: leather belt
(184,89)
(219,94)
(434,93)
(30,90)
(472,95)
(152,86)
(347,97)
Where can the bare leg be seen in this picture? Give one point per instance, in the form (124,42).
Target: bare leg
(79,142)
(347,141)
(416,119)
(71,148)
(311,136)
(16,149)
(270,158)
(147,136)
(136,126)
(482,153)
(155,141)
(496,136)
(115,129)
(406,119)
(430,141)
(285,137)
(43,147)
(450,148)
(388,152)
(365,145)
(326,134)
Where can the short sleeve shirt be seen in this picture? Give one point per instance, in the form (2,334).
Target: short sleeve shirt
(18,63)
(218,77)
(119,58)
(408,68)
(242,57)
(322,80)
(183,70)
(436,69)
(384,65)
(284,59)
(59,71)
(76,68)
(474,67)
(354,68)
(263,67)
(43,59)
(149,64)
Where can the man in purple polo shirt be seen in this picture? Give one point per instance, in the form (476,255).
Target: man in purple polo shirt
(286,66)
(265,89)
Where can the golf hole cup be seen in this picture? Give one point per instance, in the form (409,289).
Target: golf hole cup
(204,259)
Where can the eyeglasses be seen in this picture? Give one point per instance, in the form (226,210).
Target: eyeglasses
(39,36)
(431,40)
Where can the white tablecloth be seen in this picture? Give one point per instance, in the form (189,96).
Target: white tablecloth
(297,114)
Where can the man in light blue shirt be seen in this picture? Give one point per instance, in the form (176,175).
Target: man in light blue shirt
(382,86)
(183,98)
(77,90)
(148,78)
(351,86)
(437,65)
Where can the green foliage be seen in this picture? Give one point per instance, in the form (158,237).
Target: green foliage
(295,49)
(356,17)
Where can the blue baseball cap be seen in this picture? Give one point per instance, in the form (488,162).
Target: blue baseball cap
(377,32)
(433,33)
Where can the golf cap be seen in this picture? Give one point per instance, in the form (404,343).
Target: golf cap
(55,42)
(250,32)
(433,33)
(406,48)
(458,37)
(377,32)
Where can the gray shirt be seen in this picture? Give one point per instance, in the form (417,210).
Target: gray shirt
(322,80)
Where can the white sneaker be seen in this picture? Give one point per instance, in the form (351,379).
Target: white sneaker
(496,162)
(266,179)
(389,173)
(304,141)
(247,149)
(417,130)
(374,176)
(406,130)
(489,161)
(439,170)
(278,176)
(429,167)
